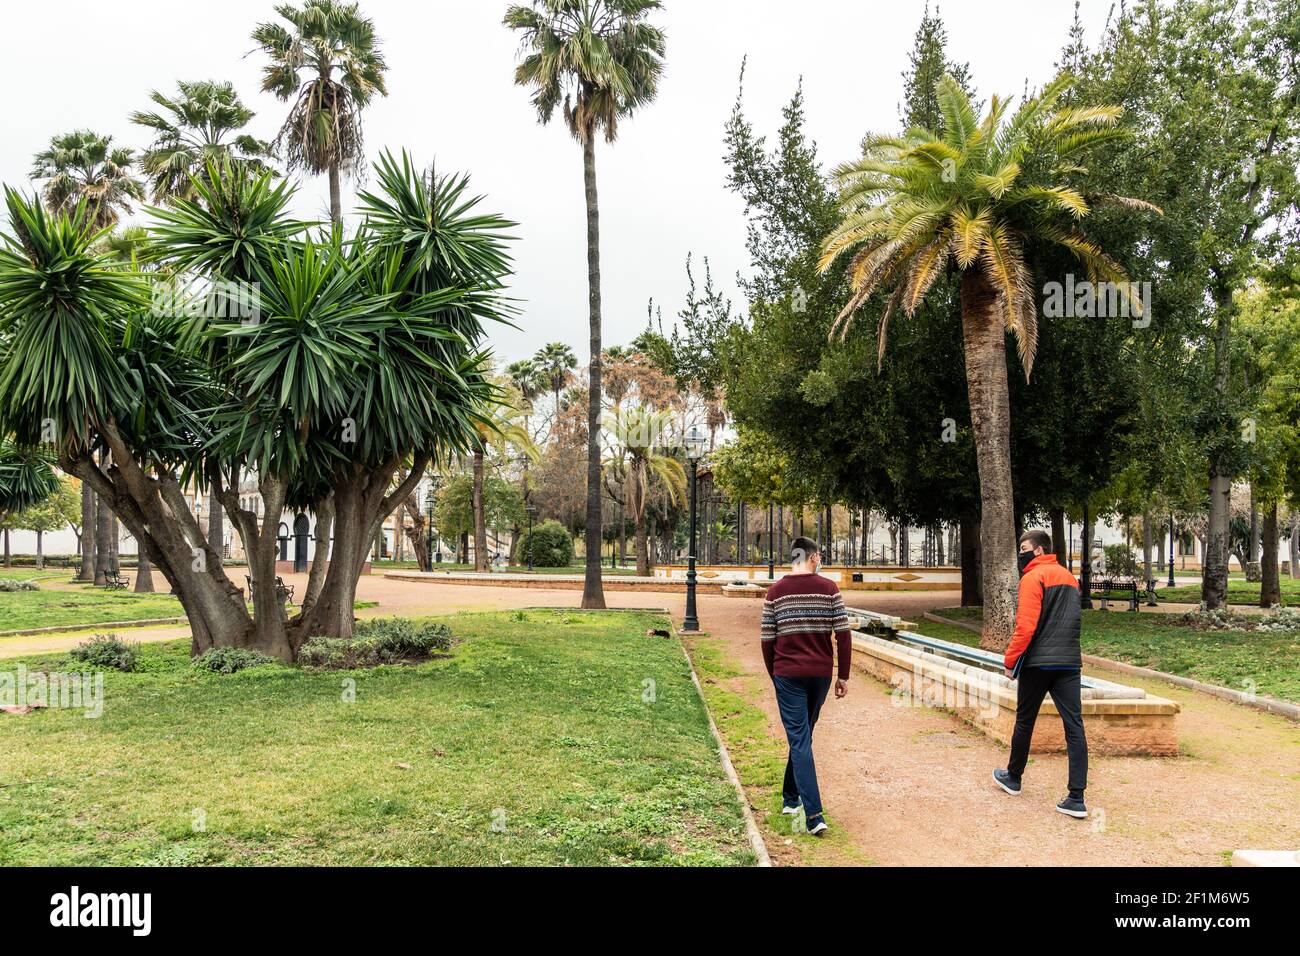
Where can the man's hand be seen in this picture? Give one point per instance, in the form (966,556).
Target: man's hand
(841,688)
(1011,675)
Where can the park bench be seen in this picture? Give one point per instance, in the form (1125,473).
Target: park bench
(1106,587)
(283,591)
(115,582)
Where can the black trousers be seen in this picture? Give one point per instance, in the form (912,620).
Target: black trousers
(1034,684)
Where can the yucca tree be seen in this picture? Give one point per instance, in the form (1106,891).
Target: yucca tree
(974,198)
(639,435)
(328,62)
(601,61)
(82,165)
(198,127)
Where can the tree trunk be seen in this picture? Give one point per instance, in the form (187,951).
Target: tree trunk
(320,559)
(480,521)
(114,541)
(40,549)
(1059,544)
(143,572)
(1270,586)
(216,525)
(1214,569)
(153,508)
(984,343)
(336,199)
(593,593)
(9,561)
(87,570)
(103,528)
(971,594)
(1248,566)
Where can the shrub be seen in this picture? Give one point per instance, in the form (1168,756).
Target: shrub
(381,641)
(1121,561)
(106,650)
(1281,619)
(8,586)
(552,547)
(228,660)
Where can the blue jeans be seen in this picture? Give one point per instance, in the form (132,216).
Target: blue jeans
(800,700)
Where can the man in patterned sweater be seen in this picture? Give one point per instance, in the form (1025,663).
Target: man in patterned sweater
(805,628)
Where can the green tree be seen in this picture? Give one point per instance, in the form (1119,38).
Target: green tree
(199,126)
(640,435)
(602,60)
(330,65)
(61,509)
(83,166)
(554,363)
(974,195)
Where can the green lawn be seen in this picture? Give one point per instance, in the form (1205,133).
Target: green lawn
(1268,662)
(87,605)
(1239,592)
(538,742)
(34,574)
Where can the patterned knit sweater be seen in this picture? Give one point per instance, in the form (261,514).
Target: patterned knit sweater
(804,623)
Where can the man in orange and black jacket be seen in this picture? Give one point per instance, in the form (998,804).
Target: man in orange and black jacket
(1044,657)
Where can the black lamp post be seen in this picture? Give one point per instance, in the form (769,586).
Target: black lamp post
(1085,561)
(429,501)
(771,554)
(532,513)
(1171,549)
(695,441)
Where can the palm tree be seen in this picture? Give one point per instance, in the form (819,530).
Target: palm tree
(555,363)
(196,127)
(330,65)
(601,60)
(638,433)
(84,166)
(913,203)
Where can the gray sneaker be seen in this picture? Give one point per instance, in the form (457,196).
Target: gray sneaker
(1007,782)
(1073,807)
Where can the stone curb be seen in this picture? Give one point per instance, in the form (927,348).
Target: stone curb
(751,825)
(1266,704)
(67,628)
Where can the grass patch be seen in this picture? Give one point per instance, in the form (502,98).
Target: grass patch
(532,745)
(86,605)
(35,574)
(1268,663)
(1239,592)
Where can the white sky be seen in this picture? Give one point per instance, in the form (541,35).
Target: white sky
(82,63)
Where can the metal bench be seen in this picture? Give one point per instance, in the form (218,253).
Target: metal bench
(283,591)
(1105,587)
(115,582)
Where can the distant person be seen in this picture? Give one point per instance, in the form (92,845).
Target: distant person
(1044,657)
(805,628)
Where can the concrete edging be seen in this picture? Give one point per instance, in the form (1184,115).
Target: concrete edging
(1266,704)
(751,825)
(68,628)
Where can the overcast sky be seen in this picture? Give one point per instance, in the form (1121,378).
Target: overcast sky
(452,98)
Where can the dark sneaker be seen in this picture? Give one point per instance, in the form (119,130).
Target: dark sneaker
(817,825)
(1073,807)
(1007,782)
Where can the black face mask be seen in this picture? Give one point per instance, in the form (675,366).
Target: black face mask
(1023,558)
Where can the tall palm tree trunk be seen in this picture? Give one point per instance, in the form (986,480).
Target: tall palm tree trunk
(593,593)
(984,342)
(216,524)
(336,199)
(480,521)
(143,573)
(103,528)
(87,571)
(1295,542)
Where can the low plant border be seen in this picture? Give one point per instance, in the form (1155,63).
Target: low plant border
(1269,705)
